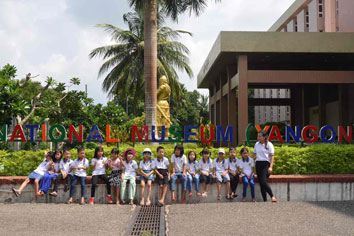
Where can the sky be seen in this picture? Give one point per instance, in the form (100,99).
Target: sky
(54,38)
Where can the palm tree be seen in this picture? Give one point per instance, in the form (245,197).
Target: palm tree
(173,8)
(125,60)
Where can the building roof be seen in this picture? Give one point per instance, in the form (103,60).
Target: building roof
(230,44)
(292,11)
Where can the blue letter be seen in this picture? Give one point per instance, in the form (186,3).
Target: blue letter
(32,127)
(220,133)
(94,134)
(187,133)
(323,135)
(295,135)
(162,134)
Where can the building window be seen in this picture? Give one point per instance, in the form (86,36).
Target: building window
(320,8)
(295,25)
(307,18)
(278,93)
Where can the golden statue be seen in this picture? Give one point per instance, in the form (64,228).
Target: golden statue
(163,108)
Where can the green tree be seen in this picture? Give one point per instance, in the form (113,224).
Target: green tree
(173,9)
(125,60)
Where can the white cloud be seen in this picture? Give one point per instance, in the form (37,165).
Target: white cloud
(54,38)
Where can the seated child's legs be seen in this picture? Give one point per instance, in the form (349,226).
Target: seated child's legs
(189,182)
(132,187)
(196,182)
(123,186)
(73,184)
(173,182)
(82,183)
(245,185)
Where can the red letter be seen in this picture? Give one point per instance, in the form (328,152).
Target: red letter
(108,135)
(348,135)
(144,131)
(304,134)
(258,127)
(211,134)
(20,135)
(79,136)
(44,135)
(275,134)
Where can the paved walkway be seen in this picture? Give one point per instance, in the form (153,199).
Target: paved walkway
(61,219)
(236,218)
(282,218)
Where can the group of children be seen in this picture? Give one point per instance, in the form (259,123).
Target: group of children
(124,169)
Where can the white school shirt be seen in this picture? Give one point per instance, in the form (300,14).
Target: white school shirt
(146,166)
(83,163)
(207,166)
(193,166)
(65,166)
(161,164)
(100,168)
(179,162)
(262,153)
(246,166)
(221,166)
(56,167)
(130,168)
(43,167)
(232,164)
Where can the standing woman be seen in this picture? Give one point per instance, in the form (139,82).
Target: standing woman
(264,151)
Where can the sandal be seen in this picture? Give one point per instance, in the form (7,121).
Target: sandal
(219,197)
(274,199)
(160,204)
(15,192)
(228,197)
(69,202)
(148,203)
(142,202)
(54,194)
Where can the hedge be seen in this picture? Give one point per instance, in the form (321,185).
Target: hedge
(313,159)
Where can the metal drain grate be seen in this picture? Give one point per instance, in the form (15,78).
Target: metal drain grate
(148,220)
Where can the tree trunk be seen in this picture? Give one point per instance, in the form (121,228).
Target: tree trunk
(150,61)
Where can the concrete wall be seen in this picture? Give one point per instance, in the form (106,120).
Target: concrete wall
(301,21)
(346,15)
(285,188)
(313,16)
(290,26)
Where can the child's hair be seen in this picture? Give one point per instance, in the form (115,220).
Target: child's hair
(195,156)
(115,151)
(66,150)
(205,151)
(180,148)
(97,149)
(232,149)
(50,154)
(159,147)
(55,153)
(265,135)
(80,149)
(243,149)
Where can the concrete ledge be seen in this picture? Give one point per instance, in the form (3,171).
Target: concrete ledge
(285,187)
(324,178)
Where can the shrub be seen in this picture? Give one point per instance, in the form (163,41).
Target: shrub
(314,159)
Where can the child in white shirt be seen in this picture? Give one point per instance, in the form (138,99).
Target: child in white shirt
(99,165)
(246,167)
(129,175)
(79,166)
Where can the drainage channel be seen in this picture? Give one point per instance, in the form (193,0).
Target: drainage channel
(147,220)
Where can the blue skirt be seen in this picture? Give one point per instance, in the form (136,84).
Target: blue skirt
(46,181)
(35,175)
(151,177)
